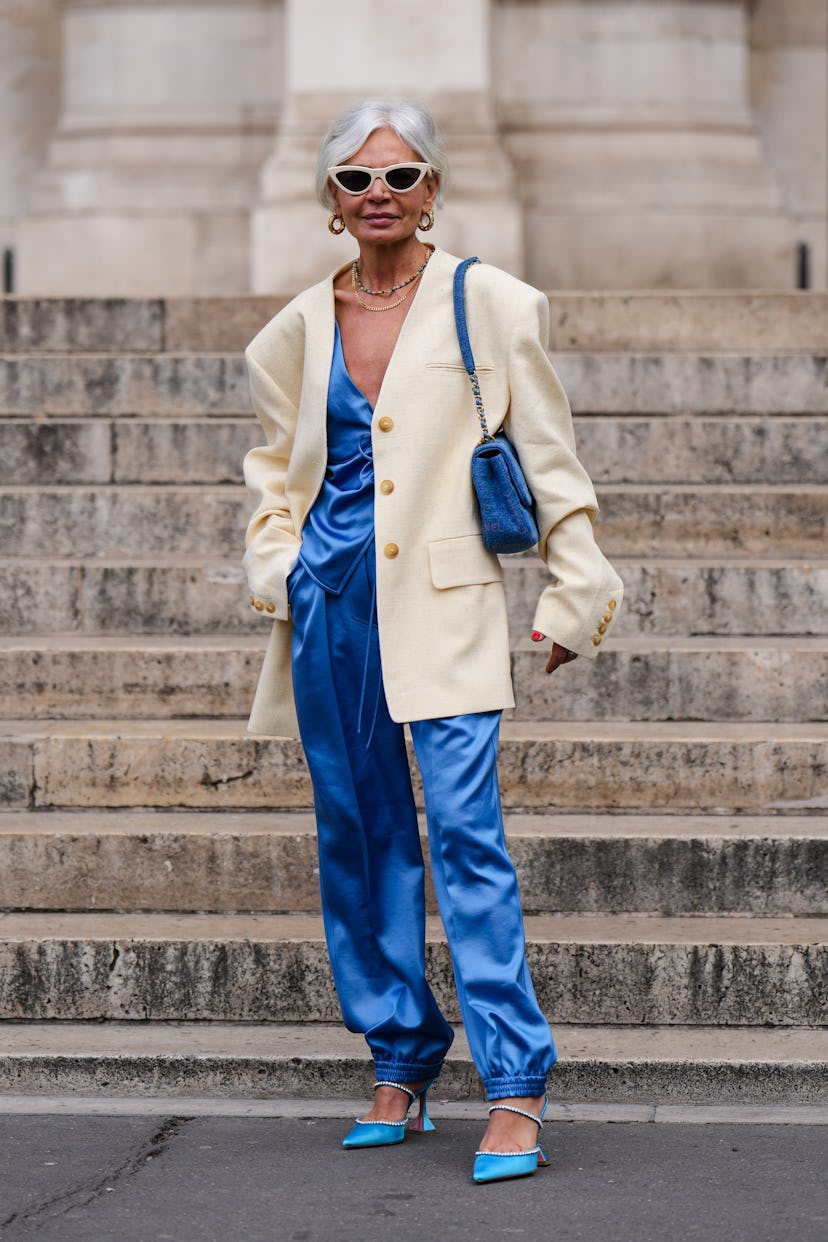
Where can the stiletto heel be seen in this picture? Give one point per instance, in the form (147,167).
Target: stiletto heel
(422,1123)
(496,1166)
(384,1133)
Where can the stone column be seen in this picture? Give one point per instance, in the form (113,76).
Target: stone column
(29,101)
(167,113)
(639,159)
(339,54)
(789,88)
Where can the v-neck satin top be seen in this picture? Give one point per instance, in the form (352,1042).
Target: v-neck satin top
(340,526)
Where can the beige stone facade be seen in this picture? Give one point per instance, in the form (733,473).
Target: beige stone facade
(167,148)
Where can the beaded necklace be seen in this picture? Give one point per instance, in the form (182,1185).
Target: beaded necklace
(357,285)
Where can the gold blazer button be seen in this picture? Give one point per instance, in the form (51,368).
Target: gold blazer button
(270,607)
(386,487)
(596,642)
(258,605)
(607,616)
(385,423)
(612,604)
(391,550)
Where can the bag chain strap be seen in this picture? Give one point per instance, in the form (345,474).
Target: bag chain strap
(465,344)
(481,413)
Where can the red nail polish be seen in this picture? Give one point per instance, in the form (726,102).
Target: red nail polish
(536,636)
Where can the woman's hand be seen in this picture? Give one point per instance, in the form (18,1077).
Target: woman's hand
(560,655)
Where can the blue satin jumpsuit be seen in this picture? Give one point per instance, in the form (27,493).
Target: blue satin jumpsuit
(370,860)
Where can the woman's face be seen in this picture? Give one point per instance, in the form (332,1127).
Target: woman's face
(380,216)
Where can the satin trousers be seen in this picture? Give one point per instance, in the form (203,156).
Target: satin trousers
(371,868)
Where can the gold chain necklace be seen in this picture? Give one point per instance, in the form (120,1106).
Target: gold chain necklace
(392,305)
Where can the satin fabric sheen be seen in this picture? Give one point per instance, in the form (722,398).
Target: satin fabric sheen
(372,874)
(340,525)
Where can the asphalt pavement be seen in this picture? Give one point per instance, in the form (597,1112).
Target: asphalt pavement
(275,1179)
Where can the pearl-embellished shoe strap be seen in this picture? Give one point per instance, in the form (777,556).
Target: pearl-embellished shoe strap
(509,1108)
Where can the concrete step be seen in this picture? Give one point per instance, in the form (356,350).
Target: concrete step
(124,385)
(104,451)
(619,449)
(626,969)
(697,595)
(670,520)
(689,767)
(668,678)
(122,521)
(714,320)
(739,519)
(74,677)
(667,1065)
(264,861)
(35,325)
(126,325)
(170,594)
(178,384)
(665,383)
(614,449)
(80,677)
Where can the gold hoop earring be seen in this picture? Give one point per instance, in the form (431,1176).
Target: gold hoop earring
(337,232)
(428,217)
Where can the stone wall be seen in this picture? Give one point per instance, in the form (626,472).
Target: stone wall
(639,159)
(789,94)
(167,114)
(30,58)
(157,148)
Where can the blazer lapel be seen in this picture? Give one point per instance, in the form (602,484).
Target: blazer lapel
(310,448)
(435,288)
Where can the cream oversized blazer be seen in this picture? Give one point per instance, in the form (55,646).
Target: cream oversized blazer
(441,606)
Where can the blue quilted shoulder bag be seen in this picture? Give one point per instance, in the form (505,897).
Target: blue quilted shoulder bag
(506,507)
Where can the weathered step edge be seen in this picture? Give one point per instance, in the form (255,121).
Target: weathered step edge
(186,384)
(176,596)
(300,1070)
(668,520)
(614,449)
(75,677)
(636,319)
(685,767)
(592,977)
(222,862)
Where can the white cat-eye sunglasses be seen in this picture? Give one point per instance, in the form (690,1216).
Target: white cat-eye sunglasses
(357,179)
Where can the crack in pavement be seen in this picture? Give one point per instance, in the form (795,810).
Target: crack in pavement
(32,1217)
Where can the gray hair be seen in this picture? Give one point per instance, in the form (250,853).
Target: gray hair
(409,121)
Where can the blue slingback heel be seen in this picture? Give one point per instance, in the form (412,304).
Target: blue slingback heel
(384,1133)
(496,1166)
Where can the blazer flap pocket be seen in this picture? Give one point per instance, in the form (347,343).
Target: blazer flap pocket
(462,561)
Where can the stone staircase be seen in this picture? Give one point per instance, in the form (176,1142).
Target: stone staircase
(666,805)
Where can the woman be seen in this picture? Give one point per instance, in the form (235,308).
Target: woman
(365,547)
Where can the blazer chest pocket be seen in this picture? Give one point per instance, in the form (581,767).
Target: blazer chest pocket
(483,368)
(462,561)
